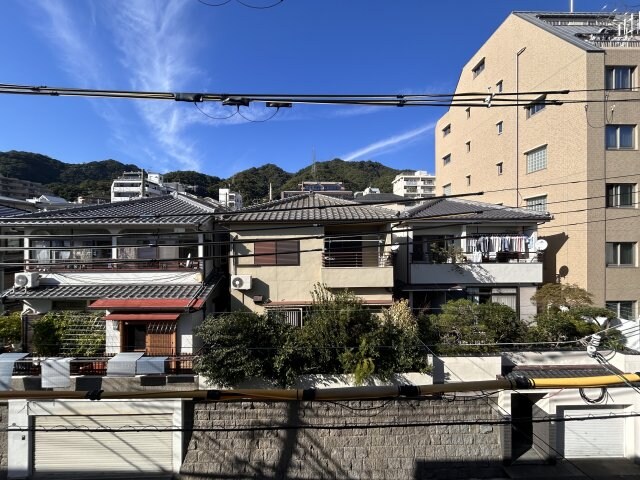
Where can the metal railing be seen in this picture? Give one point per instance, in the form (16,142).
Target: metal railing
(355,259)
(97,366)
(111,264)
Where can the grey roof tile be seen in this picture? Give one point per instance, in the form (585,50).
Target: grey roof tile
(167,209)
(460,209)
(311,207)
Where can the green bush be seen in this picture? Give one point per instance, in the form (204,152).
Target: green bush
(11,328)
(53,328)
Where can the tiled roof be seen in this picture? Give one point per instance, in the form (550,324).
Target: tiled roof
(311,207)
(128,291)
(167,209)
(9,211)
(461,209)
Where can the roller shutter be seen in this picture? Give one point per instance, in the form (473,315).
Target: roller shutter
(593,437)
(89,454)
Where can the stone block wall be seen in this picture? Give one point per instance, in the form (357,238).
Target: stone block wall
(4,442)
(356,439)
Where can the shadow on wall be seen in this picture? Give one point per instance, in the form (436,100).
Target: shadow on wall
(551,267)
(245,303)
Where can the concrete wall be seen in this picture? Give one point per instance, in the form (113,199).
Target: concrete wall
(381,448)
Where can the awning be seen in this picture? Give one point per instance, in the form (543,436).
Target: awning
(143,303)
(144,317)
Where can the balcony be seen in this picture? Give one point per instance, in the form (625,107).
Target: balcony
(359,269)
(512,273)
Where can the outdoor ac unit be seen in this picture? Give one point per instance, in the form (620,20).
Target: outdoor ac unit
(241,282)
(26,280)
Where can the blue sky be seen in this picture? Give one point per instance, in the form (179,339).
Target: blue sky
(300,46)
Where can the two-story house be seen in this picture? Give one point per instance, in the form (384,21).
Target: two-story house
(153,264)
(451,248)
(281,249)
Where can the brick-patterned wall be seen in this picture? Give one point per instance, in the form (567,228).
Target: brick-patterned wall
(440,451)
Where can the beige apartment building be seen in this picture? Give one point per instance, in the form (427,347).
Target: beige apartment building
(578,159)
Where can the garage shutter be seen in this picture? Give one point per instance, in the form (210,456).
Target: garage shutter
(103,453)
(593,437)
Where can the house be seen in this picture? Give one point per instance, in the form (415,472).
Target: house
(281,249)
(332,189)
(153,265)
(577,160)
(451,248)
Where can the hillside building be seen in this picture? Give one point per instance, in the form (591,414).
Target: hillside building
(418,184)
(330,189)
(229,199)
(21,189)
(141,184)
(577,160)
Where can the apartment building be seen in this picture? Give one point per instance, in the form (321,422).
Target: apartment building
(556,131)
(21,189)
(418,184)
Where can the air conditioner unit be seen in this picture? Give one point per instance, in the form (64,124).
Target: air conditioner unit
(26,280)
(241,282)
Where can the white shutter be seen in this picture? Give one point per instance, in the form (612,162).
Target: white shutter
(102,453)
(592,437)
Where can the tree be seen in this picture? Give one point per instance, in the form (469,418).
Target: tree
(239,346)
(11,328)
(51,333)
(554,296)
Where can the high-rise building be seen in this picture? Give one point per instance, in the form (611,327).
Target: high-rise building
(569,147)
(418,184)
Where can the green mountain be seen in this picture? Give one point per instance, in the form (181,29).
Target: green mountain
(94,178)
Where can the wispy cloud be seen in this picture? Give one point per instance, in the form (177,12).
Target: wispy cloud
(391,143)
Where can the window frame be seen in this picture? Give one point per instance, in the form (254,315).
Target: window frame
(500,127)
(532,163)
(611,77)
(500,167)
(614,253)
(446,189)
(446,160)
(537,203)
(614,195)
(446,130)
(617,128)
(618,308)
(468,144)
(536,106)
(479,68)
(499,86)
(276,253)
(468,177)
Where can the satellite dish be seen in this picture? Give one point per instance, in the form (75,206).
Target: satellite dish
(237,282)
(541,245)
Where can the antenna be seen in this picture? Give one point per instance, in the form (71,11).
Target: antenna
(571,6)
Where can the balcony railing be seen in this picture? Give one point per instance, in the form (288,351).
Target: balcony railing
(355,259)
(97,366)
(110,264)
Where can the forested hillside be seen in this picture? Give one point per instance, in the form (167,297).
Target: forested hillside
(94,178)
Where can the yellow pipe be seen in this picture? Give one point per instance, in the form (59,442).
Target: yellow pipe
(585,382)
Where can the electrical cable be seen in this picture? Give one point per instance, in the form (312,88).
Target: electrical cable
(259,121)
(195,104)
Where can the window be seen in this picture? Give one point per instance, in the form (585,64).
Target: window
(537,204)
(446,130)
(620,254)
(620,195)
(468,110)
(499,87)
(537,159)
(431,248)
(619,78)
(535,106)
(623,309)
(499,128)
(468,180)
(620,137)
(499,165)
(478,69)
(468,144)
(446,159)
(282,252)
(446,189)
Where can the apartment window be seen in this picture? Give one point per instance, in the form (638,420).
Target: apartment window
(499,165)
(468,180)
(446,130)
(535,106)
(446,189)
(620,254)
(619,78)
(623,309)
(446,159)
(620,137)
(537,204)
(279,252)
(468,144)
(499,128)
(499,87)
(478,69)
(620,195)
(468,110)
(537,159)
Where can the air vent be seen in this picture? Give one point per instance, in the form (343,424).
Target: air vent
(26,280)
(241,282)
